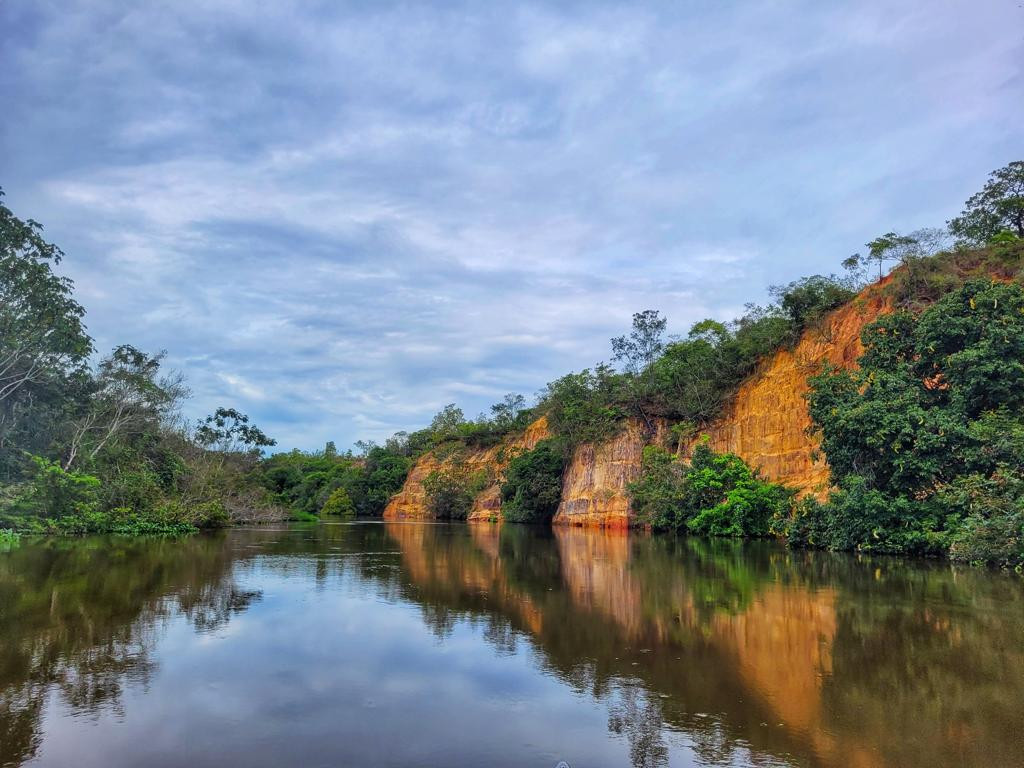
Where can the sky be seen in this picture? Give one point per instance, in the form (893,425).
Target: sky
(340,216)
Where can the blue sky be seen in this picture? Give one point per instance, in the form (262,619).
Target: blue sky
(339,217)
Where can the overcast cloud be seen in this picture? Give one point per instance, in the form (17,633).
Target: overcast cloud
(339,217)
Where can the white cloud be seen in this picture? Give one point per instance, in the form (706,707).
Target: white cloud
(341,220)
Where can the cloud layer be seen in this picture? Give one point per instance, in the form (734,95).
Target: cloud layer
(340,217)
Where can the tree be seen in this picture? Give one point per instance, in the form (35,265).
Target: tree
(229,431)
(43,343)
(997,208)
(445,425)
(127,399)
(504,414)
(809,299)
(891,247)
(644,343)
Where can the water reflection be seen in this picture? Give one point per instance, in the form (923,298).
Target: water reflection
(661,651)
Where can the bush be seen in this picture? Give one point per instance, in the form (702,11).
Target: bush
(728,498)
(993,531)
(657,496)
(339,503)
(715,495)
(585,407)
(54,493)
(533,484)
(807,300)
(451,489)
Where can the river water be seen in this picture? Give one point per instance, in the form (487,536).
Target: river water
(411,644)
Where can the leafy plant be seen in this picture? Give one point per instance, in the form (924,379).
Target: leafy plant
(533,484)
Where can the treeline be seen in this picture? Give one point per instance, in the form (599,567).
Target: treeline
(925,440)
(102,448)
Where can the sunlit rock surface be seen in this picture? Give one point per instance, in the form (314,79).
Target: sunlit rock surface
(411,502)
(766,423)
(594,490)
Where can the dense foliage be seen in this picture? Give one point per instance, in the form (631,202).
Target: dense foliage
(996,212)
(714,494)
(451,488)
(101,448)
(926,439)
(533,484)
(326,483)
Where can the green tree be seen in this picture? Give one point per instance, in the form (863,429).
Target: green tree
(644,343)
(450,490)
(128,398)
(446,423)
(228,430)
(807,300)
(932,416)
(997,208)
(505,414)
(43,343)
(339,504)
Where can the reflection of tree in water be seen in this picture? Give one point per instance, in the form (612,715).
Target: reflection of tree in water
(83,617)
(638,717)
(764,655)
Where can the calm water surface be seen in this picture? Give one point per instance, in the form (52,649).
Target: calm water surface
(406,644)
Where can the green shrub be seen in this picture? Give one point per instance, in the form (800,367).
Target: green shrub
(714,495)
(54,493)
(585,407)
(451,489)
(339,503)
(658,497)
(807,300)
(927,431)
(533,484)
(993,530)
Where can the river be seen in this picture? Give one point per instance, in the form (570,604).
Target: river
(417,644)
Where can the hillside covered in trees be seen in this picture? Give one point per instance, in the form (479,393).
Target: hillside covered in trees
(924,437)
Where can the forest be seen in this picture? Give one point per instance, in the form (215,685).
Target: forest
(925,438)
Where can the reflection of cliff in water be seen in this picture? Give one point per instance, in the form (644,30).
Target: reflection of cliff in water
(811,657)
(82,618)
(744,652)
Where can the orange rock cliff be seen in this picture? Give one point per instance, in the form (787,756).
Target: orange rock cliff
(766,424)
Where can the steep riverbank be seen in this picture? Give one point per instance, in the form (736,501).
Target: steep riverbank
(765,423)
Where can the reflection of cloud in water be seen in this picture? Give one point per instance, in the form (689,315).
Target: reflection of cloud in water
(466,639)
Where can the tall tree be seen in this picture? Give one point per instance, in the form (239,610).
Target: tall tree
(41,329)
(644,343)
(997,208)
(128,398)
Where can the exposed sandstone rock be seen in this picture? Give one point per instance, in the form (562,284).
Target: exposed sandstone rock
(411,502)
(766,423)
(594,487)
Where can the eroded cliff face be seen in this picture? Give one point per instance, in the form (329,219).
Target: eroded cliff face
(411,502)
(766,423)
(594,488)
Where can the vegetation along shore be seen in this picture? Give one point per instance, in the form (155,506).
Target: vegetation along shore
(921,434)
